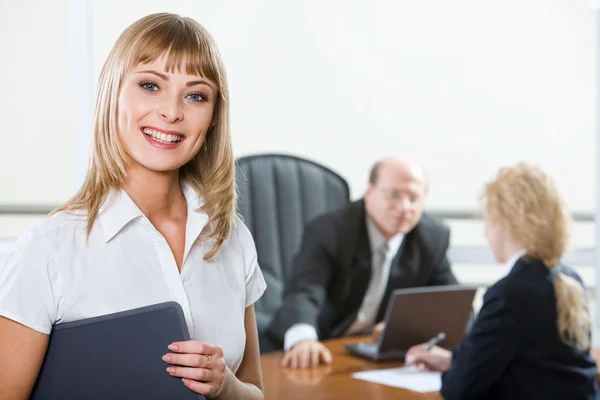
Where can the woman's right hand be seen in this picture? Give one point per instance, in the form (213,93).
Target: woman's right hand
(436,359)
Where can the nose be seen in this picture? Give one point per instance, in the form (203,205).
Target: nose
(403,204)
(170,109)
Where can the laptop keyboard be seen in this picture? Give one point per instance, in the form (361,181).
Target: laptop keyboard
(367,347)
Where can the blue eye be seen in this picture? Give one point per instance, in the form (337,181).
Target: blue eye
(196,97)
(149,86)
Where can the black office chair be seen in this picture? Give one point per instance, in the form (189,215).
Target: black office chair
(278,195)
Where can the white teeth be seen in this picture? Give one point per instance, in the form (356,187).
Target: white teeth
(162,137)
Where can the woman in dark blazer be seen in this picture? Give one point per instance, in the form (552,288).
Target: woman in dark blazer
(531,339)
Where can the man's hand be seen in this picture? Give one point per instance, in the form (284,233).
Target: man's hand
(308,353)
(436,359)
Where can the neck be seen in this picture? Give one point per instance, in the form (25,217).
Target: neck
(511,249)
(157,194)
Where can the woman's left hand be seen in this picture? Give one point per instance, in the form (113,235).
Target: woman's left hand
(200,365)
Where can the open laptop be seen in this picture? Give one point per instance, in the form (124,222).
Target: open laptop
(416,315)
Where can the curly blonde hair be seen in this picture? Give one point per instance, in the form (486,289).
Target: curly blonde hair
(526,200)
(188,46)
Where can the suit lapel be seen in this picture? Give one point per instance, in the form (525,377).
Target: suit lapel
(405,265)
(353,228)
(355,251)
(355,256)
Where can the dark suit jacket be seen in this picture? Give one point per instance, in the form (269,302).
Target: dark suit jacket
(331,272)
(513,350)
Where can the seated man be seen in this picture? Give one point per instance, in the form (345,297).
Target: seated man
(353,258)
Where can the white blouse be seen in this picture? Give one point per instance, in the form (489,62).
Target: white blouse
(52,276)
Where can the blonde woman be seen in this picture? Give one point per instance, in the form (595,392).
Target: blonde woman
(531,339)
(154,221)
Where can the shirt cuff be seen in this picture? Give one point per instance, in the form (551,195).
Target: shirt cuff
(299,333)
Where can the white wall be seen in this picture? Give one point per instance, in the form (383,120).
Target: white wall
(37,154)
(462,86)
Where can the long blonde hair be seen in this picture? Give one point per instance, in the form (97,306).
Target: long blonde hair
(185,45)
(527,201)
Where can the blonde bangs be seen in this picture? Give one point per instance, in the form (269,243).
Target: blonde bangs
(186,46)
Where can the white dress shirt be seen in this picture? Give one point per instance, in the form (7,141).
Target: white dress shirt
(381,263)
(51,276)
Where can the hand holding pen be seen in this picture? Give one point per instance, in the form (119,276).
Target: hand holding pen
(430,357)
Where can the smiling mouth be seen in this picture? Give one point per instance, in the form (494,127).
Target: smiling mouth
(162,137)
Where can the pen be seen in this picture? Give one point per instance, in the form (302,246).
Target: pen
(434,340)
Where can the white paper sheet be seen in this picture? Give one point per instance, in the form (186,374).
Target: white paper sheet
(408,377)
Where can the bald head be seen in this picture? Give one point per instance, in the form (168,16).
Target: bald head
(401,165)
(395,196)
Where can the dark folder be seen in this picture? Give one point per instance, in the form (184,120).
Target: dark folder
(115,356)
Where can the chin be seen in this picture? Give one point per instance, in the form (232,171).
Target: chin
(161,160)
(405,228)
(163,167)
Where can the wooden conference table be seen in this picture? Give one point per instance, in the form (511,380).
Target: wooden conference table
(335,381)
(329,382)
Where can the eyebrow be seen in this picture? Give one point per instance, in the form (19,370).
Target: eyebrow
(166,78)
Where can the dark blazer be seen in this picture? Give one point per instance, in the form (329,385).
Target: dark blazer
(331,272)
(513,350)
